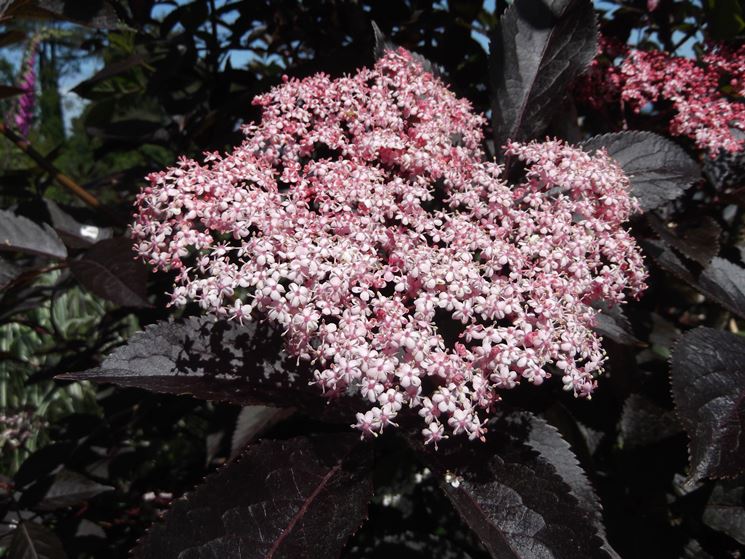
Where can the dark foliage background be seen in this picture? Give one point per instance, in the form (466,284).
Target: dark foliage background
(91,467)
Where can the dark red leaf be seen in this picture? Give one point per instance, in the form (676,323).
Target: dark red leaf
(697,239)
(612,323)
(221,361)
(109,71)
(299,498)
(11,36)
(74,233)
(68,489)
(18,233)
(537,50)
(523,491)
(35,541)
(708,385)
(668,260)
(725,510)
(109,270)
(724,282)
(659,169)
(93,13)
(251,422)
(645,423)
(9,91)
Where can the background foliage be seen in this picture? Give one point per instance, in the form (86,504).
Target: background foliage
(87,468)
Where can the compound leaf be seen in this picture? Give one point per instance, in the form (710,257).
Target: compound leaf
(109,270)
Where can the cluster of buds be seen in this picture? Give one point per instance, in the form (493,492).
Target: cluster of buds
(704,94)
(362,218)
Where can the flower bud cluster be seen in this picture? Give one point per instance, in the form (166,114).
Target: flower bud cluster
(360,216)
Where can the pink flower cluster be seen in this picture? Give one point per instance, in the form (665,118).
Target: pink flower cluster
(601,84)
(704,109)
(360,216)
(23,113)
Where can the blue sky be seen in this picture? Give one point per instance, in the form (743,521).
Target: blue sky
(73,104)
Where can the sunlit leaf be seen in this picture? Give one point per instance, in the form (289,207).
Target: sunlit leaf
(537,50)
(659,169)
(18,233)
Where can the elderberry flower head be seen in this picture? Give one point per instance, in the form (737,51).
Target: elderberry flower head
(702,109)
(360,216)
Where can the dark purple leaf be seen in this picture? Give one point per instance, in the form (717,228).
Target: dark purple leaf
(612,323)
(522,492)
(23,298)
(724,282)
(644,423)
(295,499)
(18,233)
(42,462)
(251,422)
(693,550)
(109,270)
(666,259)
(659,169)
(538,48)
(725,510)
(68,489)
(109,71)
(697,239)
(11,37)
(71,231)
(708,385)
(137,131)
(221,361)
(34,541)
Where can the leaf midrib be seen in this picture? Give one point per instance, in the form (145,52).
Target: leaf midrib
(304,508)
